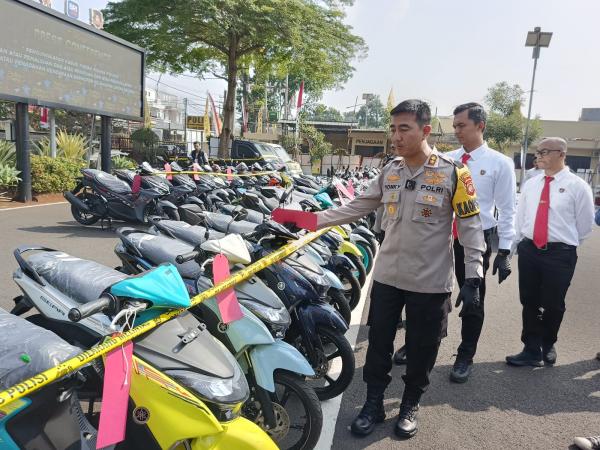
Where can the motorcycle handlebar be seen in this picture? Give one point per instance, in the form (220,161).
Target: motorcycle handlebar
(180,259)
(89,309)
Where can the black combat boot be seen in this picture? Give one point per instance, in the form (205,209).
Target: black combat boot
(371,413)
(407,425)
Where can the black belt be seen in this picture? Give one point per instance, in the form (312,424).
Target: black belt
(552,245)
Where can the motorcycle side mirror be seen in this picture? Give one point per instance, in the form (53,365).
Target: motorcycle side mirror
(285,195)
(238,213)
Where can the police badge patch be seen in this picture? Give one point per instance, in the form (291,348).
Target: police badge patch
(426,212)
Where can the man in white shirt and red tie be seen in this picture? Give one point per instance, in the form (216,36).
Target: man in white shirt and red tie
(555,214)
(494,179)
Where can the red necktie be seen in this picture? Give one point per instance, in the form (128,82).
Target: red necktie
(540,228)
(463,159)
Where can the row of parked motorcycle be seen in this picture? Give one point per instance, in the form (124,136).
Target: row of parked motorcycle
(197,381)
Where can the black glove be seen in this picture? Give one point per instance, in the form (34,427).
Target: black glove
(502,265)
(380,236)
(469,295)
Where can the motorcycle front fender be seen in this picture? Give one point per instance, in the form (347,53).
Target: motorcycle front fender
(333,279)
(240,434)
(341,261)
(349,247)
(358,239)
(167,204)
(266,359)
(321,314)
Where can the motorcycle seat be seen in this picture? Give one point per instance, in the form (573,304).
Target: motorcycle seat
(220,222)
(82,280)
(110,182)
(160,249)
(193,234)
(21,337)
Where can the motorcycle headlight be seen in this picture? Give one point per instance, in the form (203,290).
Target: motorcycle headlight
(277,319)
(224,396)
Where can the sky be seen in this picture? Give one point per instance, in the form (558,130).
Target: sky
(451,51)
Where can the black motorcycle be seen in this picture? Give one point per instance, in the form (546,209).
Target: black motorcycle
(102,196)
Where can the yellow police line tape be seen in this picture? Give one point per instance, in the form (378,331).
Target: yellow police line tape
(219,174)
(71,365)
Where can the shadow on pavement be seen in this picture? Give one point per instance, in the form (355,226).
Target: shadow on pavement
(540,391)
(74,229)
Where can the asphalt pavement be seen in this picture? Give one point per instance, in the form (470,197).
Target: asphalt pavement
(500,407)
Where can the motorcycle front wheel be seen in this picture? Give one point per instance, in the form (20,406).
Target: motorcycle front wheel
(334,365)
(298,415)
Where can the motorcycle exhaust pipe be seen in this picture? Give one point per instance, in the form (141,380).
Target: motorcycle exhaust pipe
(73,200)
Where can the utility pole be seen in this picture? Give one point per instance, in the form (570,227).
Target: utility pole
(52,123)
(185,119)
(266,121)
(536,39)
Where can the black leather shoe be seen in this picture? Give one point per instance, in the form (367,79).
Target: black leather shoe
(526,358)
(461,370)
(549,355)
(399,357)
(407,425)
(371,414)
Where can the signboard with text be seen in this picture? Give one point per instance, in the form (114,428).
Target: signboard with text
(50,60)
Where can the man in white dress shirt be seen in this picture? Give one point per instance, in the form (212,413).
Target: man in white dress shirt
(555,214)
(494,179)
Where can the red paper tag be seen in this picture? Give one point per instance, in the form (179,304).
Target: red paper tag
(137,183)
(196,168)
(227,300)
(302,219)
(229,174)
(168,169)
(115,396)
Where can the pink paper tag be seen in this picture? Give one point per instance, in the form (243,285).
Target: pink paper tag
(227,300)
(344,191)
(229,174)
(341,195)
(351,188)
(302,219)
(196,168)
(168,169)
(115,396)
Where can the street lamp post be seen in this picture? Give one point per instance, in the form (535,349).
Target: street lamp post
(536,39)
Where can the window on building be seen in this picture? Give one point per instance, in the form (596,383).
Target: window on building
(367,150)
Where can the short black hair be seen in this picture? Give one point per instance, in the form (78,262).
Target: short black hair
(419,108)
(476,112)
(196,142)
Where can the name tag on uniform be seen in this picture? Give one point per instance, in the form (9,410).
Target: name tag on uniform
(428,198)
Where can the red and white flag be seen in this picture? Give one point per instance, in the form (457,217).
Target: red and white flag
(216,118)
(300,93)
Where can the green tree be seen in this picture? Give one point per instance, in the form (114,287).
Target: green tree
(323,113)
(317,146)
(506,124)
(375,113)
(221,37)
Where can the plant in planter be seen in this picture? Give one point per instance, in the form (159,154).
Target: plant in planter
(122,162)
(8,154)
(9,177)
(51,175)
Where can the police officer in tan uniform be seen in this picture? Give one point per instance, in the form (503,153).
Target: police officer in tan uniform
(421,191)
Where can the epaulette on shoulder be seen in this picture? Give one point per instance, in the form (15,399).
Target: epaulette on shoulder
(450,160)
